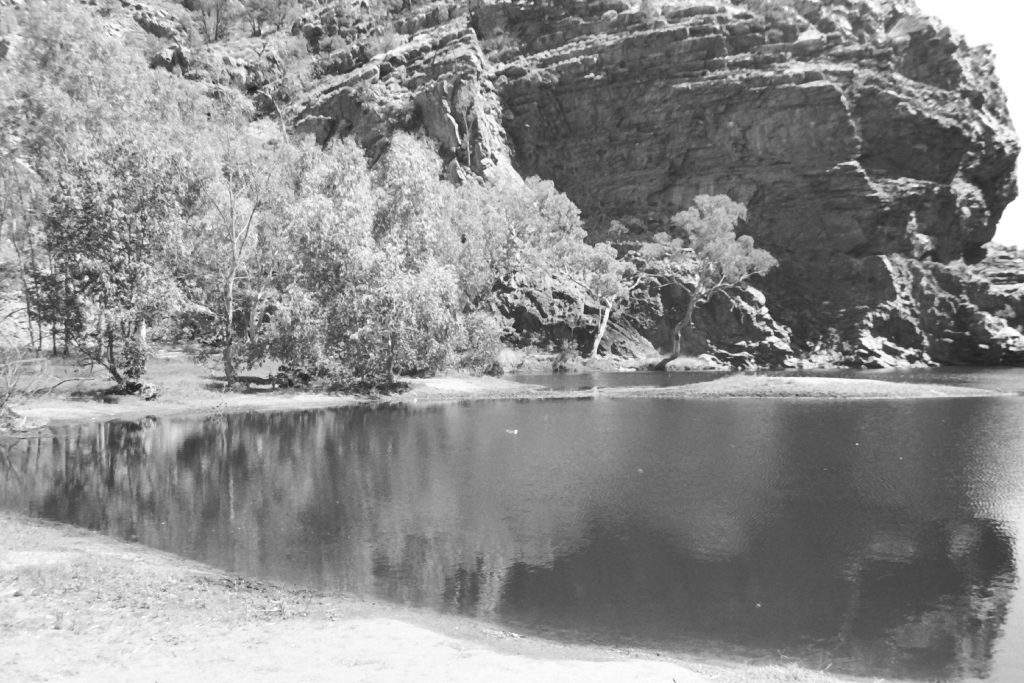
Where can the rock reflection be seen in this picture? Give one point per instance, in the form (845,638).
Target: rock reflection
(827,536)
(938,611)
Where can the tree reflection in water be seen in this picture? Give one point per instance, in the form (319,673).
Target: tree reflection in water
(560,529)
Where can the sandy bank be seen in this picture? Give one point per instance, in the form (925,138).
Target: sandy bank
(63,410)
(773,386)
(75,605)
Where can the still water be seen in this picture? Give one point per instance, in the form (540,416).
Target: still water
(878,537)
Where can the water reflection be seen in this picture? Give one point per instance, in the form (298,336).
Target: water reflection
(874,535)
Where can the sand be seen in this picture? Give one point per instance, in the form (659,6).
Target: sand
(78,606)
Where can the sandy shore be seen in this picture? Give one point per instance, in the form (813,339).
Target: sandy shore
(834,388)
(66,409)
(75,605)
(63,410)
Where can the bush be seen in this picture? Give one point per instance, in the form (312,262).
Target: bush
(481,344)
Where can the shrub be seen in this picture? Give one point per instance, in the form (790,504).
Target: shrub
(481,346)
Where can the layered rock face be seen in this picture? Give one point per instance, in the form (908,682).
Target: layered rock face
(869,143)
(889,138)
(851,134)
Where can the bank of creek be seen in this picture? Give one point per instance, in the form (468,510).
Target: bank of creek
(869,528)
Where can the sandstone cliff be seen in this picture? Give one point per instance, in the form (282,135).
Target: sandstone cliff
(871,145)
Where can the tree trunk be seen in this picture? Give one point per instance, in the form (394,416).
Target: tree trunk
(229,336)
(26,291)
(39,322)
(141,341)
(105,357)
(683,325)
(110,347)
(601,329)
(391,358)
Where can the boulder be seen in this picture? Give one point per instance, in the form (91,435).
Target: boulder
(173,57)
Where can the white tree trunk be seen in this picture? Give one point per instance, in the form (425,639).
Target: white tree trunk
(601,329)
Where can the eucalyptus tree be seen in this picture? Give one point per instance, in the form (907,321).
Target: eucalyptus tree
(106,225)
(101,183)
(231,249)
(703,255)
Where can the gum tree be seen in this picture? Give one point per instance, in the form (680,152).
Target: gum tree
(704,256)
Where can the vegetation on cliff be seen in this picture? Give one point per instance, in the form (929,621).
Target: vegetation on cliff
(143,207)
(347,197)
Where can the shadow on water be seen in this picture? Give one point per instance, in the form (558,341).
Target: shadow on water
(875,536)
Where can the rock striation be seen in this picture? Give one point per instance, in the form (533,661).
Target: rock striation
(851,135)
(891,137)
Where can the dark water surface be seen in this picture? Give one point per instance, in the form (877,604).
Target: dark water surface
(881,537)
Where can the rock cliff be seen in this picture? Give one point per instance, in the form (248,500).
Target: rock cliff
(871,145)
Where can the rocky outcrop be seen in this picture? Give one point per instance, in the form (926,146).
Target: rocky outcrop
(731,331)
(437,80)
(837,143)
(740,332)
(971,314)
(248,70)
(155,21)
(924,312)
(851,135)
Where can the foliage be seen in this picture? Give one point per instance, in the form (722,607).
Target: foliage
(20,375)
(140,205)
(263,13)
(723,258)
(704,256)
(403,323)
(481,344)
(233,252)
(217,16)
(106,225)
(606,280)
(412,221)
(86,126)
(524,250)
(330,248)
